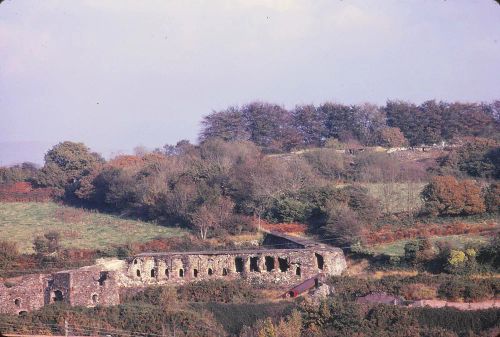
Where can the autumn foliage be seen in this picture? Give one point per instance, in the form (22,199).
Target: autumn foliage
(445,195)
(388,233)
(24,192)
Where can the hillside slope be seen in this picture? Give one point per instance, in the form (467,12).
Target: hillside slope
(22,222)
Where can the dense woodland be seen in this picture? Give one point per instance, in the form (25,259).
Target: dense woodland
(313,165)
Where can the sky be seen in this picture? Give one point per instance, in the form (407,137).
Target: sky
(126,73)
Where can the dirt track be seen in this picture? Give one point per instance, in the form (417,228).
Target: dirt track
(458,305)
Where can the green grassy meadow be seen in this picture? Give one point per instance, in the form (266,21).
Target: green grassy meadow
(459,241)
(21,222)
(397,197)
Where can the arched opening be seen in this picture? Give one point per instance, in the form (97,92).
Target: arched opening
(95,298)
(210,272)
(224,271)
(283,264)
(23,313)
(17,302)
(195,272)
(297,271)
(153,273)
(167,273)
(138,273)
(254,264)
(320,262)
(181,272)
(238,262)
(58,296)
(269,262)
(135,261)
(291,293)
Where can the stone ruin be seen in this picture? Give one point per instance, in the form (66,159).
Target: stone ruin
(282,260)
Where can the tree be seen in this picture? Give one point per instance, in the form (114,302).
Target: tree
(211,215)
(403,115)
(17,173)
(468,119)
(339,121)
(392,137)
(343,225)
(461,262)
(65,164)
(49,243)
(8,255)
(267,123)
(477,157)
(492,198)
(310,125)
(370,119)
(327,162)
(421,251)
(229,125)
(445,195)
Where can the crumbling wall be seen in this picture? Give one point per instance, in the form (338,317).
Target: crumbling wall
(279,266)
(101,284)
(92,287)
(22,294)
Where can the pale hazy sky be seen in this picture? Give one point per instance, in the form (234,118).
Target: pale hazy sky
(117,74)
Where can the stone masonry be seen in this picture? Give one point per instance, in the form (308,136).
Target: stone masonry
(283,260)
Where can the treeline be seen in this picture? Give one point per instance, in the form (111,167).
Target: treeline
(221,187)
(396,124)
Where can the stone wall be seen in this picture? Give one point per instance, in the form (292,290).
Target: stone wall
(101,284)
(86,287)
(23,294)
(81,287)
(278,266)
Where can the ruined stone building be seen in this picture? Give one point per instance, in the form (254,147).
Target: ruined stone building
(282,260)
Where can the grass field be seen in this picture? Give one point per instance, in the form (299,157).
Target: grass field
(21,222)
(459,241)
(397,197)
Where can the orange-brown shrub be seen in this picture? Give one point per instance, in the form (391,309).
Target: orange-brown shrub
(387,234)
(24,192)
(418,291)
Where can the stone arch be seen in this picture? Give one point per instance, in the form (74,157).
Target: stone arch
(135,261)
(224,271)
(181,272)
(17,302)
(210,271)
(95,298)
(167,273)
(153,273)
(195,272)
(138,273)
(298,271)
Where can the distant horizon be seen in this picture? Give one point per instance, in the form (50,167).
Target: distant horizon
(116,75)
